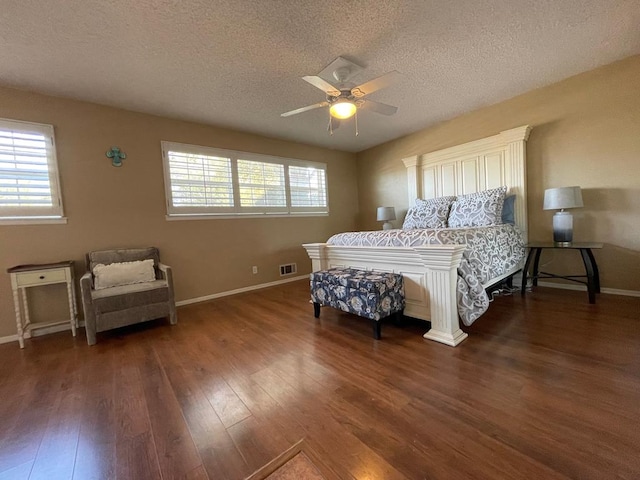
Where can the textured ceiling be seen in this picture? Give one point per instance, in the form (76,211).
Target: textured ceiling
(239,63)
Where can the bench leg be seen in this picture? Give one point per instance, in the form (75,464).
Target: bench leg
(316,310)
(377,327)
(398,318)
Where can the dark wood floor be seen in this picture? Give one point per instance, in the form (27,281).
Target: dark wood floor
(546,387)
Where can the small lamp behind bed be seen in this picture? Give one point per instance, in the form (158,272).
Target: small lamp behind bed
(384,215)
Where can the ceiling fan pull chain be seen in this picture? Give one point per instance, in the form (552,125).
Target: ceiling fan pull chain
(356,115)
(330,126)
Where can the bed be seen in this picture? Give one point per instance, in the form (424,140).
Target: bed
(430,268)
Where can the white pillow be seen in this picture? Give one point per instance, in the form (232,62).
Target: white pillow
(125,273)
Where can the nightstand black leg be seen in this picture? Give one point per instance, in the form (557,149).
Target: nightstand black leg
(591,276)
(525,272)
(536,265)
(316,309)
(596,273)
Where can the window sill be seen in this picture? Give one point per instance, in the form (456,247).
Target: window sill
(32,220)
(224,216)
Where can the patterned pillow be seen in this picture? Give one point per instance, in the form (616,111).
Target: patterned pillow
(430,213)
(478,209)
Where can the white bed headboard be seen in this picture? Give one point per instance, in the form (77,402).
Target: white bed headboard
(472,167)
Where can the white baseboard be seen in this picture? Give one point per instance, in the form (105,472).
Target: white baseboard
(583,288)
(37,332)
(9,339)
(60,328)
(239,290)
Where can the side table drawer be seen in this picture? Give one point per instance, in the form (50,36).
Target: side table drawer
(41,278)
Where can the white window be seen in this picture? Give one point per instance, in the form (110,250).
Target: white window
(208,181)
(29,183)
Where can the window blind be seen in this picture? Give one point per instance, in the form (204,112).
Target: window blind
(308,187)
(28,171)
(200,181)
(261,185)
(210,181)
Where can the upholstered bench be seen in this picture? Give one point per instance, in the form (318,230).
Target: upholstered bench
(369,294)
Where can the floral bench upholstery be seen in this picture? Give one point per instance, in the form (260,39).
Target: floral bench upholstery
(369,294)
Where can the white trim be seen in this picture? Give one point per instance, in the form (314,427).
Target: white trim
(32,221)
(37,332)
(9,339)
(583,288)
(214,216)
(60,328)
(239,290)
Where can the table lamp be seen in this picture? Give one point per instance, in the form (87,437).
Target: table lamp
(561,198)
(384,215)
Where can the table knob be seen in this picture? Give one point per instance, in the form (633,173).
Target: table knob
(41,277)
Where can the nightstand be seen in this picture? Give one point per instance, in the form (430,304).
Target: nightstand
(591,268)
(25,276)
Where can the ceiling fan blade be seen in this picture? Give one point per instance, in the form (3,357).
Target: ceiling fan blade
(322,84)
(378,107)
(304,109)
(375,84)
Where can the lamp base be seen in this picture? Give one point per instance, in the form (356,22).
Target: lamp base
(562,244)
(562,229)
(387,226)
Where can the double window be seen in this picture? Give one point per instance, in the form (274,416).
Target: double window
(210,181)
(29,182)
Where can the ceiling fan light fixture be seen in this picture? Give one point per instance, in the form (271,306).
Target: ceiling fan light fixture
(342,109)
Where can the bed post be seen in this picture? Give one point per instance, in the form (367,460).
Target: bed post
(516,158)
(441,263)
(414,187)
(318,254)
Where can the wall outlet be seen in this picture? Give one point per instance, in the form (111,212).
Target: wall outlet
(254,269)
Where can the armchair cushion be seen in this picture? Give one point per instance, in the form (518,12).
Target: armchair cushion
(123,297)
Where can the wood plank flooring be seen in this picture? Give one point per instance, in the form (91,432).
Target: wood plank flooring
(546,387)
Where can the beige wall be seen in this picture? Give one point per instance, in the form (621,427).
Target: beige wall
(121,207)
(586,131)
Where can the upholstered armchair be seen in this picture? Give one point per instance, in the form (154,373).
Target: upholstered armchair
(123,287)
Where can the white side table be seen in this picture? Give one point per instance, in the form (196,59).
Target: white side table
(25,276)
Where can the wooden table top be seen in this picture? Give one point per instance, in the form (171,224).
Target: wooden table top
(42,266)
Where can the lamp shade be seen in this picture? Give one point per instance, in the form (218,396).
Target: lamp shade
(386,213)
(563,197)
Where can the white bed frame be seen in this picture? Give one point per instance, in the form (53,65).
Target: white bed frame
(430,271)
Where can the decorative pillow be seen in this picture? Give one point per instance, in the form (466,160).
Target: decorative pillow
(509,210)
(430,213)
(478,209)
(125,273)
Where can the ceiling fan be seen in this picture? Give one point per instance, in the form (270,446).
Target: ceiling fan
(344,100)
